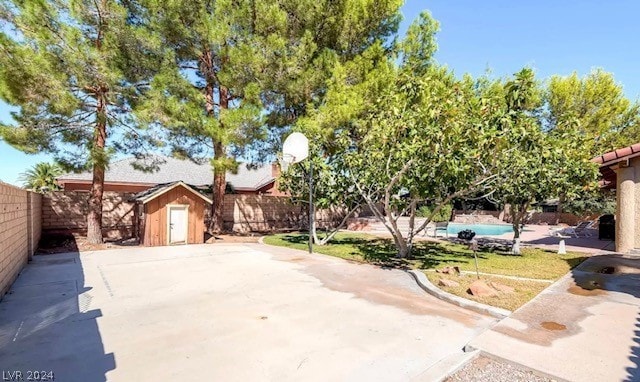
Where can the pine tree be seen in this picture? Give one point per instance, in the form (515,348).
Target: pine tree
(72,68)
(236,72)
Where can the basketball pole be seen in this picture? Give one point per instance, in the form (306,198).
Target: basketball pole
(311,209)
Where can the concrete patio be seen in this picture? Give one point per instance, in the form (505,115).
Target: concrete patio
(582,328)
(225,312)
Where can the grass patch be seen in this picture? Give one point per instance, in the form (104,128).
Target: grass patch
(533,263)
(524,290)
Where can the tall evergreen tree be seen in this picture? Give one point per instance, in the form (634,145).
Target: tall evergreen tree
(596,106)
(68,66)
(234,72)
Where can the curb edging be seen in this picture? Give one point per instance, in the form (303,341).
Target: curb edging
(428,287)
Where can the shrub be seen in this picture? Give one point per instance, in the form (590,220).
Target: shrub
(442,216)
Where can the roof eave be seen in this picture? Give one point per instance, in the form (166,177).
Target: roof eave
(161,191)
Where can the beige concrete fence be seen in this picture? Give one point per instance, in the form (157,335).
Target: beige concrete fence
(20,218)
(537,218)
(67,210)
(262,213)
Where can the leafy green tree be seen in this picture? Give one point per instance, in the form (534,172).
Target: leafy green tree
(595,105)
(236,72)
(599,202)
(406,133)
(332,189)
(41,177)
(69,67)
(536,164)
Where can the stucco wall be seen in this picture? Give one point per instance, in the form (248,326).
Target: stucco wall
(19,231)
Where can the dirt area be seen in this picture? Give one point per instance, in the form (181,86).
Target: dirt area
(229,238)
(524,290)
(66,241)
(489,370)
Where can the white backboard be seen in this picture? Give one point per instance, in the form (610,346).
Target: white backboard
(295,148)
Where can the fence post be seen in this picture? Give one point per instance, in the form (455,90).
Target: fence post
(30,248)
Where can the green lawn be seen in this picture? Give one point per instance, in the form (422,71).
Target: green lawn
(533,263)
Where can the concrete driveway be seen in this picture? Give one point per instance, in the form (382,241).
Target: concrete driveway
(225,312)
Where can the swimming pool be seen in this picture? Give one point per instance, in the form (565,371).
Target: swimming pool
(480,229)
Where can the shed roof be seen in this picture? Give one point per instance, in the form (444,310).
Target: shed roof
(172,170)
(157,190)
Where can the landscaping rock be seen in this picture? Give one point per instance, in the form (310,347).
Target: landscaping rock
(479,288)
(448,283)
(449,270)
(501,288)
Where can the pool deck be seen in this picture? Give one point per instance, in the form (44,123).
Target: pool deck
(533,236)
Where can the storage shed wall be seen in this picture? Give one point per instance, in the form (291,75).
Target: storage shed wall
(154,227)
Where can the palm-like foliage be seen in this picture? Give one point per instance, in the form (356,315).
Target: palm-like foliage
(41,177)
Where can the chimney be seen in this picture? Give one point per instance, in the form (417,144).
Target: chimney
(275,169)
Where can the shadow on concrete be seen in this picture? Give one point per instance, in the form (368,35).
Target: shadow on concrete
(47,323)
(614,273)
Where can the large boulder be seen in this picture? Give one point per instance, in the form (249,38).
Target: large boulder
(480,288)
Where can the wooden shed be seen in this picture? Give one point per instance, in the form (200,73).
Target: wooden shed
(169,214)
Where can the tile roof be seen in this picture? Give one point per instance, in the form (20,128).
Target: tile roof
(172,170)
(617,155)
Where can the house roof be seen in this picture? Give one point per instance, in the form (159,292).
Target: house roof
(607,160)
(157,190)
(618,155)
(172,170)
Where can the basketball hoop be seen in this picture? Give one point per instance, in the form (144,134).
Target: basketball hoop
(296,149)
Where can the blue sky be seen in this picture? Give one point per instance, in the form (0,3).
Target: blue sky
(553,37)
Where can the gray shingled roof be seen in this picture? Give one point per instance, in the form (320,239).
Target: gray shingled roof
(173,170)
(159,189)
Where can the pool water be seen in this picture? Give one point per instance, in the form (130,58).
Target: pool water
(480,229)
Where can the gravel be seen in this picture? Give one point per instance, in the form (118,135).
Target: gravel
(488,370)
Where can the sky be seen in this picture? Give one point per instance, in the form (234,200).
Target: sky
(502,36)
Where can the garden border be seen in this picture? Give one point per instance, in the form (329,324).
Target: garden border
(428,287)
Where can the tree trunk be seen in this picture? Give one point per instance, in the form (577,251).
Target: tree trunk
(219,186)
(518,213)
(219,153)
(94,217)
(404,250)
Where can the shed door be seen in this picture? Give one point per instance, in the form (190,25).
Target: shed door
(178,218)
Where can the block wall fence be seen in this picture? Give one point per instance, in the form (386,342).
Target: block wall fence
(20,229)
(66,210)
